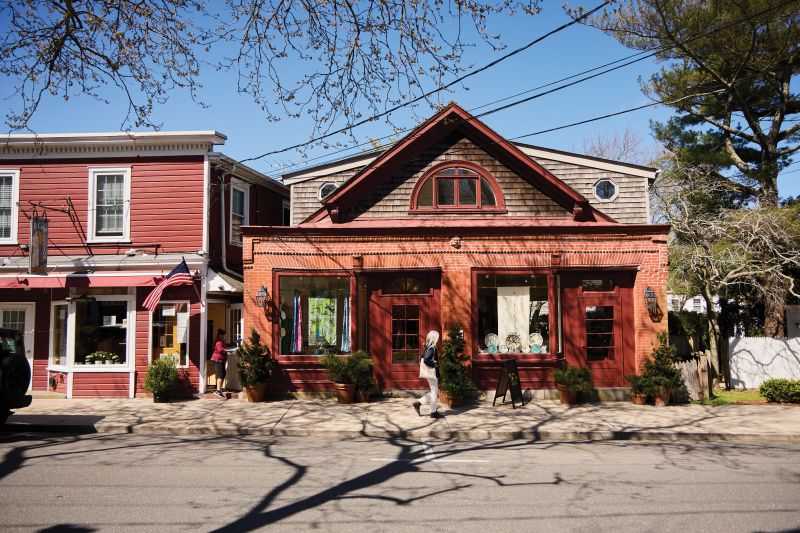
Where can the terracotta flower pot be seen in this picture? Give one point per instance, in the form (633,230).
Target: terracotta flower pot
(639,399)
(345,392)
(450,401)
(566,396)
(662,398)
(255,393)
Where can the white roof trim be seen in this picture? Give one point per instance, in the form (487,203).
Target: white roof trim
(318,172)
(585,161)
(72,145)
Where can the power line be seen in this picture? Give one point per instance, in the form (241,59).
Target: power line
(626,61)
(438,89)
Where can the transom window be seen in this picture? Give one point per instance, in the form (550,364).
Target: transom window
(456,187)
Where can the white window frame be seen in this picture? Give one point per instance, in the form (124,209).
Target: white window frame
(245,189)
(14,173)
(613,197)
(286,206)
(188,331)
(94,173)
(325,184)
(130,337)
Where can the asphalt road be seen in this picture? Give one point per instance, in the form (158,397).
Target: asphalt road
(137,483)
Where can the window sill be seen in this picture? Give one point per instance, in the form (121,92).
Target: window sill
(99,368)
(520,357)
(237,244)
(458,211)
(109,241)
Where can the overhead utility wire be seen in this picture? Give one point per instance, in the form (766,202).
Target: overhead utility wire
(648,55)
(438,89)
(327,155)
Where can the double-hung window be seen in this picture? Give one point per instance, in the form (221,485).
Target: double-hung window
(109,204)
(9,196)
(239,200)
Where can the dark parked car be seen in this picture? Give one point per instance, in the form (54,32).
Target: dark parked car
(15,373)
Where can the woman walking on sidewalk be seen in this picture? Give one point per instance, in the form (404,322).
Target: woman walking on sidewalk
(429,369)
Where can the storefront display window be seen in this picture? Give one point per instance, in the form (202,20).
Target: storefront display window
(58,355)
(314,314)
(101,327)
(513,313)
(170,332)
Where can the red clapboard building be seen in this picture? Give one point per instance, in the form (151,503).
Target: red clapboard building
(122,210)
(537,254)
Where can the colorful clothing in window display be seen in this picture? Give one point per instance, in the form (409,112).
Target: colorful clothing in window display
(297,323)
(345,346)
(322,320)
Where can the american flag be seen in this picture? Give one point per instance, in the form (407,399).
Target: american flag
(179,275)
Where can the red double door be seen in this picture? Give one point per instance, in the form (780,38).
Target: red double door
(403,308)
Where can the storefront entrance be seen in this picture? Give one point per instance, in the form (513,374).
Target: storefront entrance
(403,308)
(598,313)
(19,316)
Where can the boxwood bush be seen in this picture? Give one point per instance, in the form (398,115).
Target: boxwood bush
(781,390)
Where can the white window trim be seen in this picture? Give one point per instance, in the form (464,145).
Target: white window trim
(130,338)
(14,173)
(126,207)
(244,188)
(286,206)
(616,190)
(324,184)
(70,339)
(188,331)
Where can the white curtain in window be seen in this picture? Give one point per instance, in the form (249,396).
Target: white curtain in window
(513,312)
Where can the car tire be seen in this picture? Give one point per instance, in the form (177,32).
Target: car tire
(15,376)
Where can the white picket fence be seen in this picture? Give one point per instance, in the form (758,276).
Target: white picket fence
(757,359)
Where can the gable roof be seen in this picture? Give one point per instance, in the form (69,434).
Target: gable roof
(451,119)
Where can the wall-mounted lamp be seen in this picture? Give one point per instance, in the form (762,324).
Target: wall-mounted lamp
(651,302)
(264,301)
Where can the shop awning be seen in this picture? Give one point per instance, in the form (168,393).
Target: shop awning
(58,281)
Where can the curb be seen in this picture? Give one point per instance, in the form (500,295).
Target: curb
(533,436)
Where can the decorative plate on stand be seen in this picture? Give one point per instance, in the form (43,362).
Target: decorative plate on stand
(535,338)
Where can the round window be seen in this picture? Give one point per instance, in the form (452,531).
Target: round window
(605,190)
(326,189)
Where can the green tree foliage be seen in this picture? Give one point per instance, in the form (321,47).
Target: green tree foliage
(727,73)
(453,364)
(255,361)
(660,373)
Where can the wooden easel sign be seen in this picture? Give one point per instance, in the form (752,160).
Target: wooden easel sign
(509,381)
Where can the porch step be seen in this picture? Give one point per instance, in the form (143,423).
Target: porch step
(228,396)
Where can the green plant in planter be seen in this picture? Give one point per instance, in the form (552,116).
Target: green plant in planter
(574,379)
(162,375)
(660,370)
(363,372)
(102,356)
(338,367)
(639,384)
(454,377)
(255,361)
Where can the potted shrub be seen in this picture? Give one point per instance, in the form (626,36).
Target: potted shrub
(255,364)
(660,371)
(640,388)
(571,381)
(363,370)
(454,380)
(162,375)
(339,370)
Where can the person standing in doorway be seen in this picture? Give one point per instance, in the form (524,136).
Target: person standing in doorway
(219,357)
(429,369)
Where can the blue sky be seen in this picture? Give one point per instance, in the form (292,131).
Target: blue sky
(568,52)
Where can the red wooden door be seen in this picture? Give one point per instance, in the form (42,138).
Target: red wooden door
(398,326)
(601,337)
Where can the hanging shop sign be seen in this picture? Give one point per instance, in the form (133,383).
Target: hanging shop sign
(38,246)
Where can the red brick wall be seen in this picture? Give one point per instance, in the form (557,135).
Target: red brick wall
(263,255)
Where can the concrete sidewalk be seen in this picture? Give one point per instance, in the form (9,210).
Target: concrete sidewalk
(395,418)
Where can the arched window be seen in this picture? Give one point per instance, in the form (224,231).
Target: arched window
(457,186)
